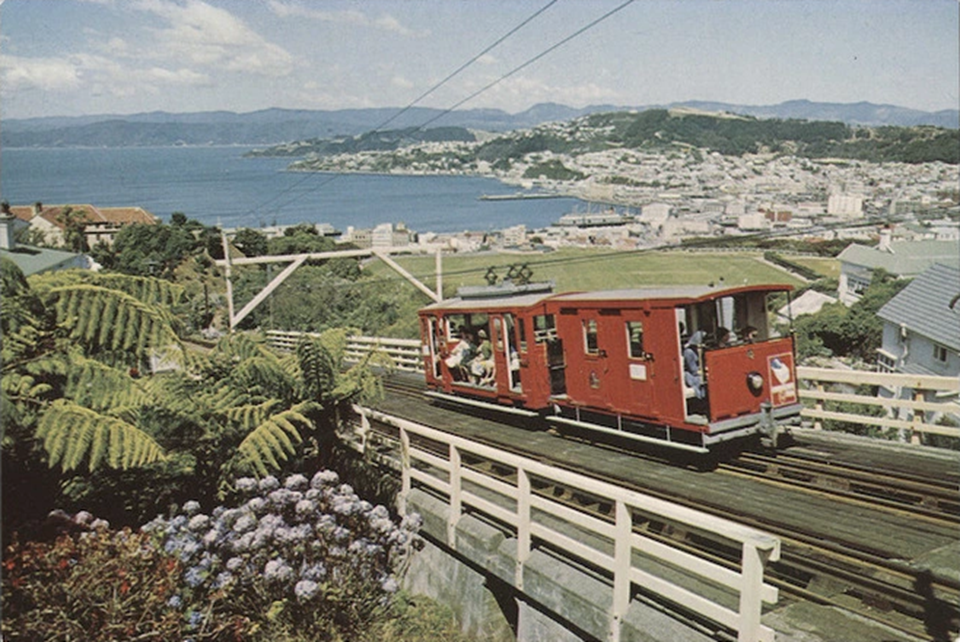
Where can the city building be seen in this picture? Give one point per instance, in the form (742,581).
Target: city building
(100,224)
(904,259)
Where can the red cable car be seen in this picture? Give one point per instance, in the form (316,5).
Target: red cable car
(685,366)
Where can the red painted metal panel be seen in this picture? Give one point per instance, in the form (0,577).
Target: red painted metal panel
(727,371)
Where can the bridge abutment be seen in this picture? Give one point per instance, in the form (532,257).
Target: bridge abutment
(560,601)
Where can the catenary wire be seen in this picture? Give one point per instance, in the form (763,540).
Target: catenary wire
(409,106)
(483,89)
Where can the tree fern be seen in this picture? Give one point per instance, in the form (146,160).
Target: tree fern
(71,434)
(318,369)
(99,387)
(274,440)
(134,325)
(248,417)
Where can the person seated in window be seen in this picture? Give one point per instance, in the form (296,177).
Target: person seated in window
(749,334)
(461,355)
(481,368)
(691,365)
(724,337)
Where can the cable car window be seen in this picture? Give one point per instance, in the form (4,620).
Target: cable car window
(544,328)
(635,339)
(590,337)
(522,324)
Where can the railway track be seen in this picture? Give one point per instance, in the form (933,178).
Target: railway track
(916,494)
(837,571)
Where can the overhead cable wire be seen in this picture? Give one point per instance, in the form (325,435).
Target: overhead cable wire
(529,62)
(412,104)
(510,73)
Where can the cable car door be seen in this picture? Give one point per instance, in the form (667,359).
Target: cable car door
(639,367)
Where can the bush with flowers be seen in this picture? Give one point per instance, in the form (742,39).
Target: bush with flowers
(297,560)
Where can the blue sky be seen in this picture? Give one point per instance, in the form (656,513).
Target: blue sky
(75,57)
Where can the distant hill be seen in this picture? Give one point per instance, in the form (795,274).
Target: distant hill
(276,126)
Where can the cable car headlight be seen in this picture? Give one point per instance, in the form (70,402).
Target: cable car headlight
(755,382)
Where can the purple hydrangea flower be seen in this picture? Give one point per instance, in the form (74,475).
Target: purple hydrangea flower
(305,589)
(295,482)
(198,522)
(268,484)
(277,571)
(324,478)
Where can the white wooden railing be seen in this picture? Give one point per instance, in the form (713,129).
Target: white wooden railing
(534,516)
(921,395)
(405,353)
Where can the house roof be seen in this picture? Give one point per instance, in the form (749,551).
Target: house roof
(905,258)
(33,260)
(92,215)
(924,306)
(809,302)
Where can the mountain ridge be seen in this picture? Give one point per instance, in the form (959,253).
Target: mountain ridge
(278,125)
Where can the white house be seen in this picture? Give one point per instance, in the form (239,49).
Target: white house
(921,325)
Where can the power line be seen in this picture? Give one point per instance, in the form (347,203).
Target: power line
(411,104)
(530,61)
(485,88)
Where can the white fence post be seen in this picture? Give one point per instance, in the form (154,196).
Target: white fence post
(456,502)
(523,524)
(622,553)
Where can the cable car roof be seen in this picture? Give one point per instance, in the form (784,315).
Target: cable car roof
(676,294)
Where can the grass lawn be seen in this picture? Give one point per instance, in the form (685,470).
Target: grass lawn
(583,269)
(824,266)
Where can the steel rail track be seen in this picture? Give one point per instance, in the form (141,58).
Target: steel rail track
(860,581)
(909,493)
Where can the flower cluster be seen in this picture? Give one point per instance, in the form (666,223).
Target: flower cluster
(308,543)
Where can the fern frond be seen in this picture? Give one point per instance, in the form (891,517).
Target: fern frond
(98,386)
(250,416)
(72,433)
(318,369)
(272,441)
(81,309)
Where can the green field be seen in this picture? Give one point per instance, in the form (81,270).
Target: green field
(581,269)
(824,266)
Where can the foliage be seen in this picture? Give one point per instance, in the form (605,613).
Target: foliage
(553,170)
(307,560)
(74,224)
(250,242)
(856,331)
(319,297)
(304,560)
(738,135)
(73,399)
(157,250)
(98,586)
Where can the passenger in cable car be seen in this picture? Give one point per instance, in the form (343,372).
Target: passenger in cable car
(691,364)
(461,355)
(481,368)
(724,338)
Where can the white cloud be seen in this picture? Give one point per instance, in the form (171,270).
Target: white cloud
(401,82)
(48,74)
(207,36)
(385,22)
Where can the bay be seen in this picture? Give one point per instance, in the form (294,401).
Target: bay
(217,186)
